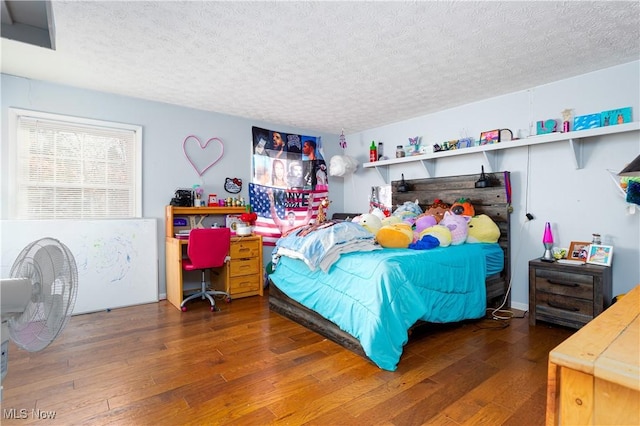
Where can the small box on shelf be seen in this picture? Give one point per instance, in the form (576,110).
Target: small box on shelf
(583,122)
(615,116)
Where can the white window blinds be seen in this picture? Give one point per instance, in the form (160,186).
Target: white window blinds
(70,168)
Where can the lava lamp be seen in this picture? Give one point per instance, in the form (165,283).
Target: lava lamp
(547,241)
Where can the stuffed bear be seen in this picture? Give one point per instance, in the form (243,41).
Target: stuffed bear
(458,225)
(397,235)
(482,229)
(437,209)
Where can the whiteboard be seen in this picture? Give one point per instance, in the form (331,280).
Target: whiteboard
(117,260)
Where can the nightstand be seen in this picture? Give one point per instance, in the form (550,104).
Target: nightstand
(568,295)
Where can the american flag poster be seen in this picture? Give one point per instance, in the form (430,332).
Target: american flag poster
(280,210)
(289,178)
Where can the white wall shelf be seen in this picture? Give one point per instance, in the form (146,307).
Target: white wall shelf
(490,152)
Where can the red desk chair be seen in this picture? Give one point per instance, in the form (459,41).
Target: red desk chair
(207,248)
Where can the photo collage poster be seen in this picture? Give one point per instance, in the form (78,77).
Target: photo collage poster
(289,179)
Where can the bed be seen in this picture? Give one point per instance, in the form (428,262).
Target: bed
(368,301)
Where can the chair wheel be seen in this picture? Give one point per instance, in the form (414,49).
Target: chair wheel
(213,309)
(183,309)
(227,299)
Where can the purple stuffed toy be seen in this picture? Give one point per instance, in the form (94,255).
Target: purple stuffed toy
(458,225)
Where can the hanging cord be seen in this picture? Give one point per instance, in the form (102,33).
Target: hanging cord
(503,314)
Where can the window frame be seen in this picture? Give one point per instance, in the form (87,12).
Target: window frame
(14,114)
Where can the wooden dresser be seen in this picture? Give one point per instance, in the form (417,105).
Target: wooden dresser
(568,295)
(242,276)
(594,375)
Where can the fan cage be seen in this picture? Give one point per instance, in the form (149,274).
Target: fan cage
(52,270)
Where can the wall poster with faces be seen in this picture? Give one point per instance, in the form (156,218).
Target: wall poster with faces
(288,170)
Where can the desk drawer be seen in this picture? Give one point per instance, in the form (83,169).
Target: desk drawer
(244,284)
(242,249)
(239,267)
(565,284)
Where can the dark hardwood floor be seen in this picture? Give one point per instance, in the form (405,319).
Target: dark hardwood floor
(154,365)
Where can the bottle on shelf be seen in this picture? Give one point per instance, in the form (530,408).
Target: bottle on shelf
(380,150)
(373,152)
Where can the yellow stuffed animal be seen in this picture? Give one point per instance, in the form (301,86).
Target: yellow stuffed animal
(396,235)
(482,229)
(441,232)
(370,222)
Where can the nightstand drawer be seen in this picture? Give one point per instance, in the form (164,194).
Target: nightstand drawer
(566,284)
(563,304)
(568,295)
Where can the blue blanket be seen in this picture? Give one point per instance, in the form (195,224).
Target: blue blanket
(377,296)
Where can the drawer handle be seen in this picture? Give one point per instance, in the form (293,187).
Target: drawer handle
(554,305)
(562,283)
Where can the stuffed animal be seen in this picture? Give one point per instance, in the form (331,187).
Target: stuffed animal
(482,229)
(458,225)
(425,243)
(408,212)
(378,212)
(397,235)
(321,217)
(463,206)
(389,220)
(437,209)
(370,222)
(441,232)
(423,222)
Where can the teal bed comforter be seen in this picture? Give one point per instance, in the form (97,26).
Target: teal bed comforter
(376,296)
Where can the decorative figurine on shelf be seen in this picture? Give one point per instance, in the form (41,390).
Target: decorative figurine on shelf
(415,144)
(566,120)
(546,126)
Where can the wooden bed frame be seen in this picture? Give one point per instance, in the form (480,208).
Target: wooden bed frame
(492,201)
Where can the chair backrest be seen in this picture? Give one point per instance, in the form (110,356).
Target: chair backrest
(208,248)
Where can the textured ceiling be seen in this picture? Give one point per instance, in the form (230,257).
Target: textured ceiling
(326,66)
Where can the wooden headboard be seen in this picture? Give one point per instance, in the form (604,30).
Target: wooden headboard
(491,201)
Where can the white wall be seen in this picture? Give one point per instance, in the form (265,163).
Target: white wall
(545,182)
(544,179)
(165,126)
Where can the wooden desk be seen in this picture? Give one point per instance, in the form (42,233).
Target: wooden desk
(594,375)
(242,276)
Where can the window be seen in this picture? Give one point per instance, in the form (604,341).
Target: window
(63,167)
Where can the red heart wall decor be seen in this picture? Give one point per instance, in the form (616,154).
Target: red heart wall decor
(198,155)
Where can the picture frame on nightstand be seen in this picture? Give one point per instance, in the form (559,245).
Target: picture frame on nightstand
(600,255)
(578,250)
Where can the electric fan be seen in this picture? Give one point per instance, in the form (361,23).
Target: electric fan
(37,301)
